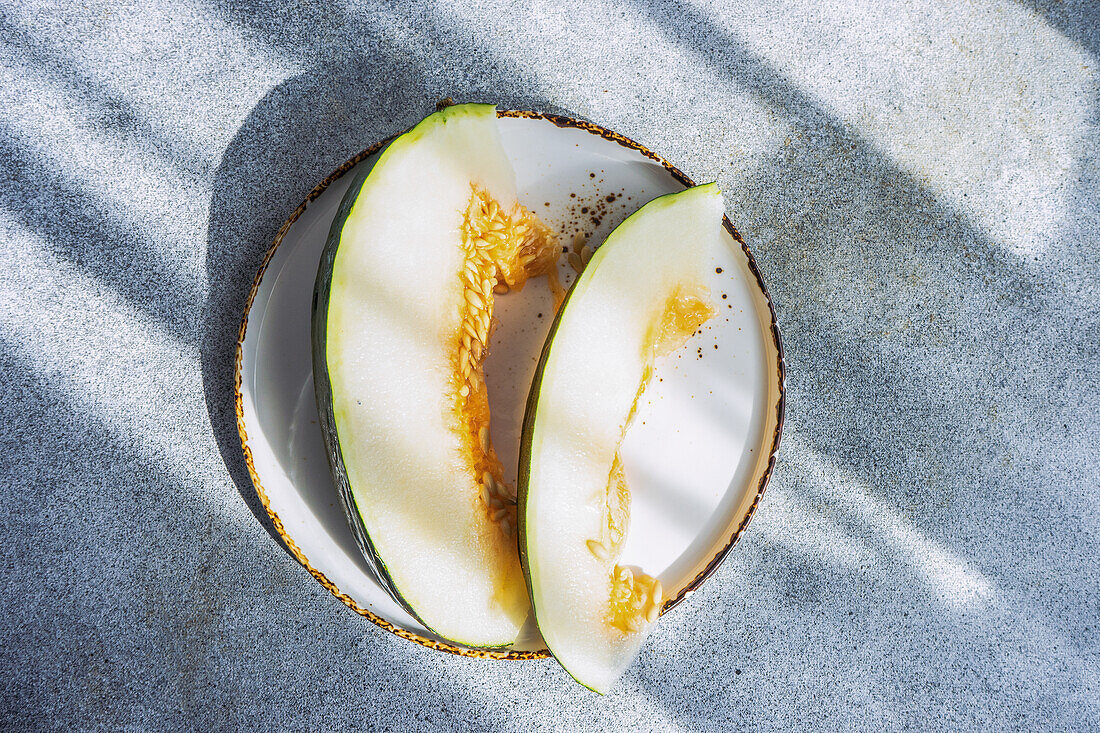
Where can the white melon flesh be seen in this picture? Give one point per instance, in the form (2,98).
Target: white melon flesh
(641,296)
(398,307)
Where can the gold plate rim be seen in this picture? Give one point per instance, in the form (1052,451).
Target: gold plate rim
(295,551)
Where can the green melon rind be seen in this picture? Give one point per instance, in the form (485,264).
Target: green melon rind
(322,385)
(533,398)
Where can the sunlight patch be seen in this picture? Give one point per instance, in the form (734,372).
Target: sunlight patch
(983,104)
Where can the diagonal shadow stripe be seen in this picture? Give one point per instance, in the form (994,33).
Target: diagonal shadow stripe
(78,230)
(113,110)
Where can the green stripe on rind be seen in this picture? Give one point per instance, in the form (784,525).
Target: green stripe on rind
(530,414)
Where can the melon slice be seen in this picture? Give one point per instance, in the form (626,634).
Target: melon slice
(642,295)
(422,243)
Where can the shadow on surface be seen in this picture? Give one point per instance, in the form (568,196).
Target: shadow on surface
(1078,20)
(72,224)
(141,589)
(281,151)
(897,306)
(110,110)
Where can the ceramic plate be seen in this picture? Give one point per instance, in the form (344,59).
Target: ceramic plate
(697,458)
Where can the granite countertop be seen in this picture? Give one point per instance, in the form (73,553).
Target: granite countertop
(919,183)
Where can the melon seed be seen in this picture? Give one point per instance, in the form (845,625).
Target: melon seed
(597,548)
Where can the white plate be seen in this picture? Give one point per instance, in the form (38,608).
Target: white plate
(702,446)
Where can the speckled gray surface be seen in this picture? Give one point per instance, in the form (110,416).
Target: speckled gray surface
(919,181)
